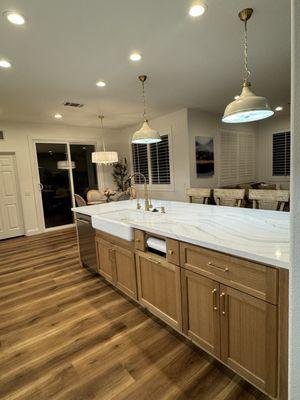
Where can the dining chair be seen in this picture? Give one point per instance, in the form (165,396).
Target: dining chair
(80,202)
(120,196)
(95,197)
(200,194)
(229,197)
(269,199)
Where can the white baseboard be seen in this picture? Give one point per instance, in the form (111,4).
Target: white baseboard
(31,232)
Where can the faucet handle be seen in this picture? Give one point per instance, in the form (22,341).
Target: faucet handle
(138,205)
(162,210)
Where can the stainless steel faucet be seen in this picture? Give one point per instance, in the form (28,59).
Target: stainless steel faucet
(148,204)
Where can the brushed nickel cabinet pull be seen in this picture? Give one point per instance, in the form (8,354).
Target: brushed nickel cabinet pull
(138,240)
(214,293)
(223,269)
(223,303)
(154,261)
(170,252)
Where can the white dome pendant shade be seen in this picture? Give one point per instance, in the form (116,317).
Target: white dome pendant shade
(104,157)
(247,107)
(145,135)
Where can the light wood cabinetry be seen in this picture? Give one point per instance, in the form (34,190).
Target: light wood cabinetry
(116,263)
(159,288)
(201,318)
(104,256)
(249,337)
(239,329)
(236,310)
(125,272)
(139,240)
(249,277)
(173,252)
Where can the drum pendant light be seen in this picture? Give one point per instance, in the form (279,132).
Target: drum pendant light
(145,135)
(247,107)
(104,157)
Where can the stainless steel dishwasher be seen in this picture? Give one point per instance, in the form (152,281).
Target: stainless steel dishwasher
(86,241)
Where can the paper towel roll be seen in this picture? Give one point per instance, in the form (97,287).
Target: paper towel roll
(157,244)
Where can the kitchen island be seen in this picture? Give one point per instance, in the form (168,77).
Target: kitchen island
(218,275)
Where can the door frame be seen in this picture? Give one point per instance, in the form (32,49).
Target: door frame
(18,189)
(36,176)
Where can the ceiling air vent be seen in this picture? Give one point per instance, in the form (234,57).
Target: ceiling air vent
(1,135)
(72,104)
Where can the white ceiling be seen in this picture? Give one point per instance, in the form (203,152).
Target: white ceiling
(68,45)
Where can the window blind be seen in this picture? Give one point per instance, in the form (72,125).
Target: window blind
(160,162)
(237,161)
(153,161)
(140,161)
(281,153)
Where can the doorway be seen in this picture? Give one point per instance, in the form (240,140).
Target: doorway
(11,215)
(64,169)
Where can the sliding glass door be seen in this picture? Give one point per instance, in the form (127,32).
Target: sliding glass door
(54,184)
(64,169)
(84,171)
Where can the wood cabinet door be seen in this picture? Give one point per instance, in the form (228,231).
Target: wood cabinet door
(159,288)
(105,259)
(249,337)
(125,272)
(201,317)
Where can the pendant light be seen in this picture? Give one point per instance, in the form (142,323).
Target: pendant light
(145,135)
(104,157)
(247,107)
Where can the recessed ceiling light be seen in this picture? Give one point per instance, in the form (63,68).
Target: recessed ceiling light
(279,108)
(5,64)
(14,17)
(135,56)
(101,84)
(236,97)
(58,116)
(197,9)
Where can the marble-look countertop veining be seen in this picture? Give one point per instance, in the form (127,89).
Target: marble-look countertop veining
(257,235)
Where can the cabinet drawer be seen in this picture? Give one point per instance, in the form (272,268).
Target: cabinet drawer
(249,277)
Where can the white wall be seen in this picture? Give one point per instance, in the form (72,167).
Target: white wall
(19,140)
(266,129)
(202,123)
(294,304)
(176,122)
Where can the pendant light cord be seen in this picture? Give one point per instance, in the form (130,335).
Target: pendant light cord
(144,100)
(247,73)
(103,144)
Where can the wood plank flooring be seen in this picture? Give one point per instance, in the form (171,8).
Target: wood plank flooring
(66,335)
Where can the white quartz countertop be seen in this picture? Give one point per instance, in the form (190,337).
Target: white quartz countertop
(257,235)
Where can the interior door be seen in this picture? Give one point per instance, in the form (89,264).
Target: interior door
(54,174)
(11,216)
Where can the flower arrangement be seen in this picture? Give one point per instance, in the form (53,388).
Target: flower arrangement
(121,175)
(108,193)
